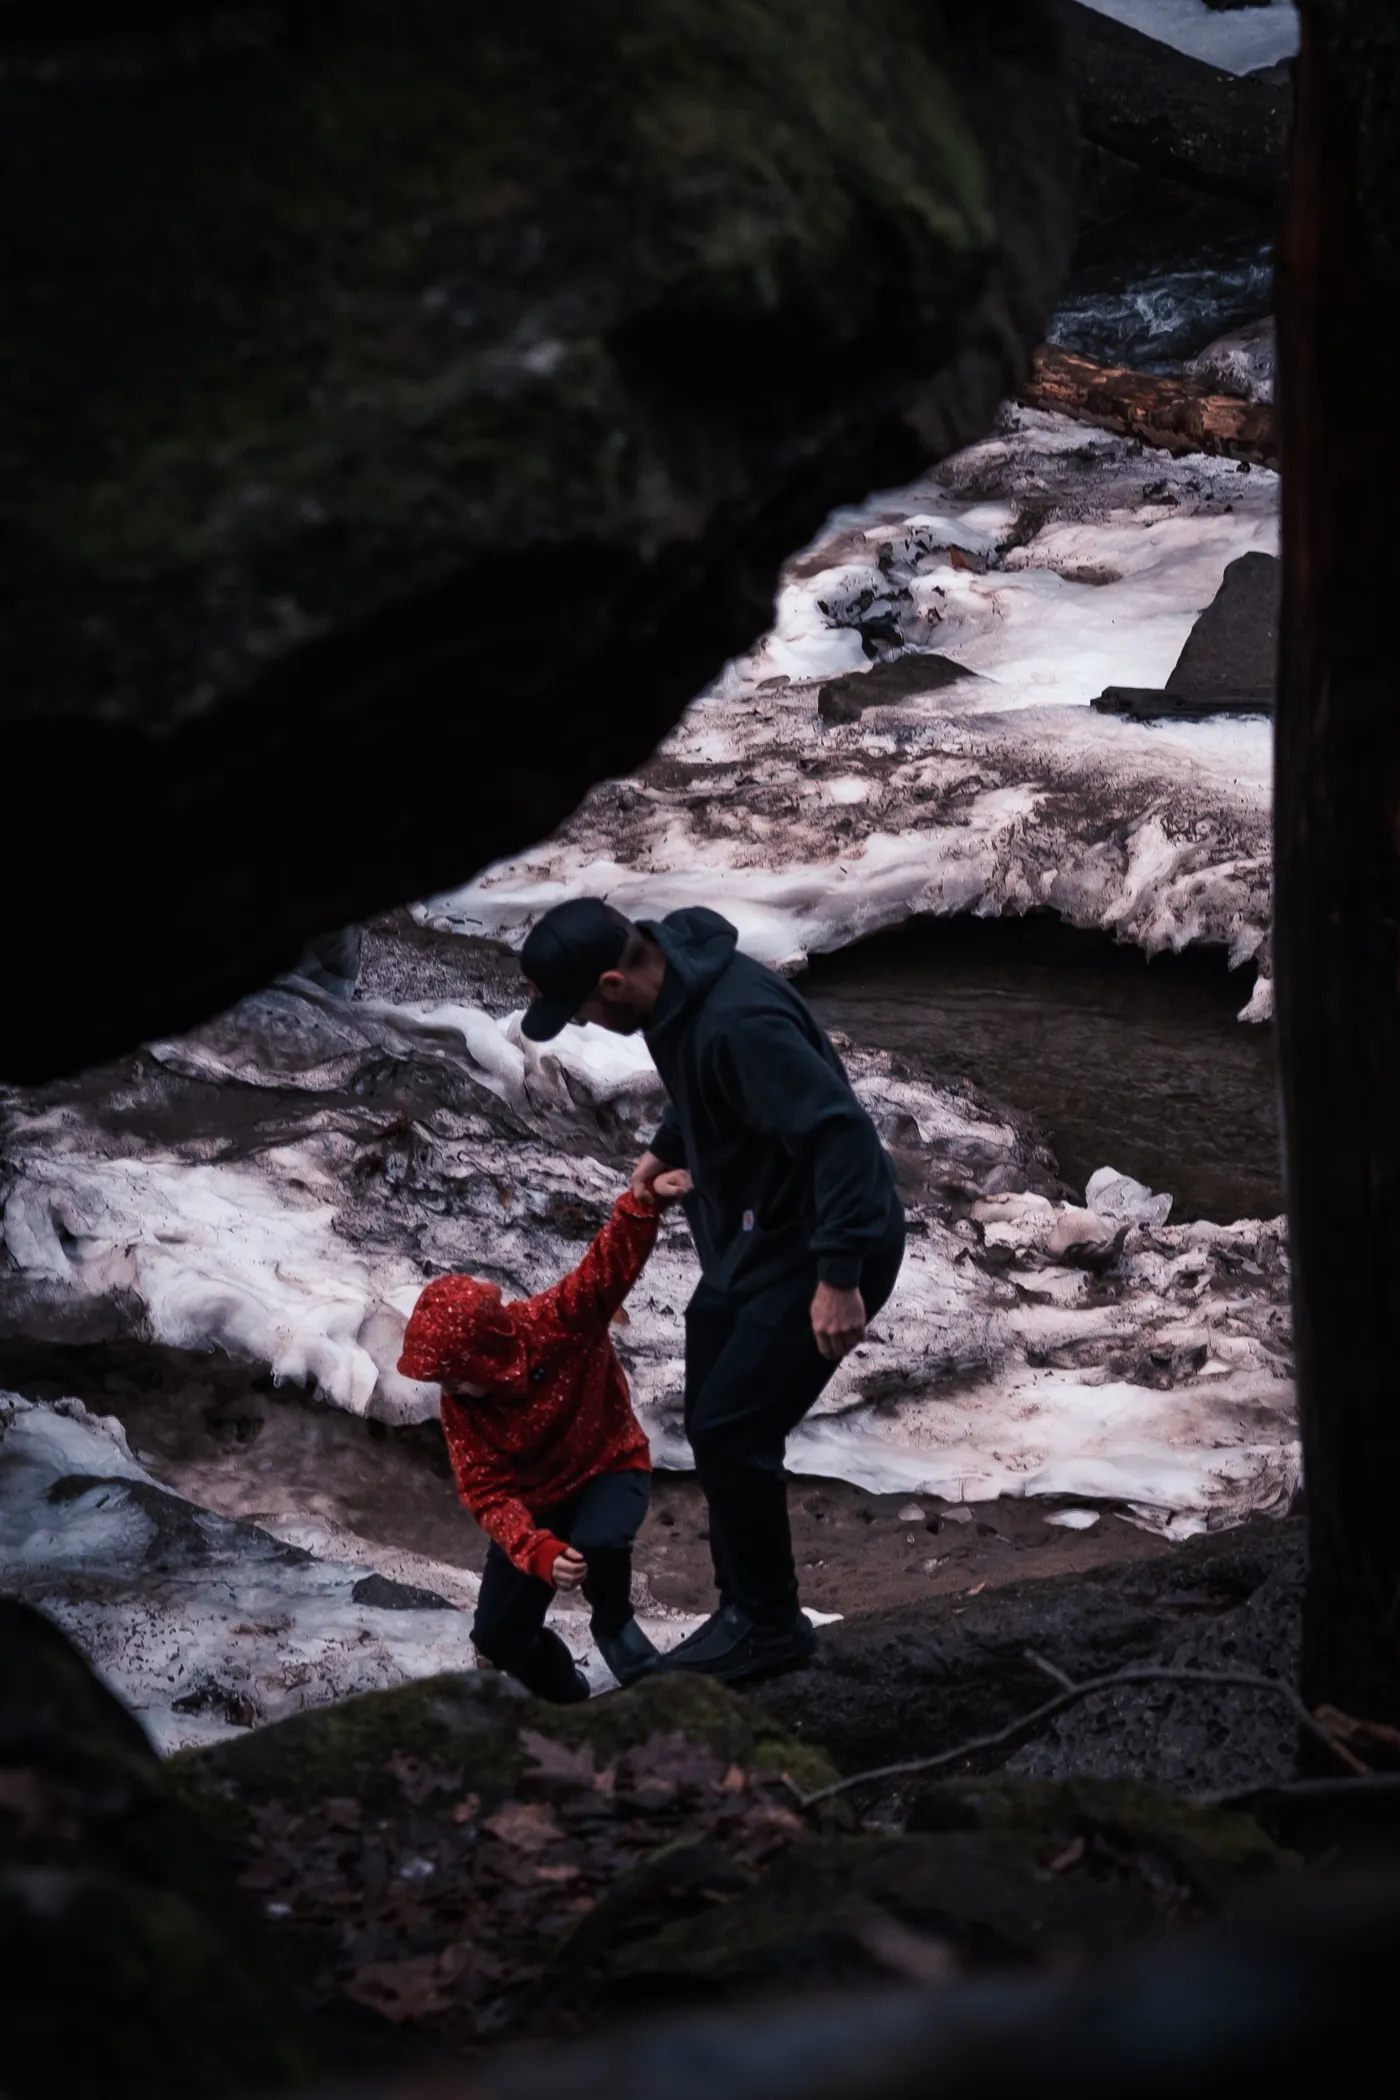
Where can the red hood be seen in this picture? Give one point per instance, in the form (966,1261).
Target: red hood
(471,1335)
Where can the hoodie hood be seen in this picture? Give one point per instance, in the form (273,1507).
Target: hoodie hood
(467,1333)
(699,946)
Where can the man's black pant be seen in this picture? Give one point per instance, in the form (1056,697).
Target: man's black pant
(600,1522)
(752,1371)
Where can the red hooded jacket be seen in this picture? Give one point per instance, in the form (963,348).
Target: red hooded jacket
(557,1411)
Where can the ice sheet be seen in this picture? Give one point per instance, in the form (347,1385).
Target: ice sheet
(999,1367)
(204,1625)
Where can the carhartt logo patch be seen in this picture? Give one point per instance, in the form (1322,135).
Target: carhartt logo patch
(748,1221)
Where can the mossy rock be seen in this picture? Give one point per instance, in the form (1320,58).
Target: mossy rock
(995,1882)
(131,1966)
(432,392)
(1217,1850)
(471,1721)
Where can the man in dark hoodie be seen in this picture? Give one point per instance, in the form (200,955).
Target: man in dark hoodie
(794,1213)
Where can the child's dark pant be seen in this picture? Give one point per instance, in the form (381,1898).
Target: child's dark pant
(600,1522)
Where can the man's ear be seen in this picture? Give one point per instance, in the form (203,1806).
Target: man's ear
(612,984)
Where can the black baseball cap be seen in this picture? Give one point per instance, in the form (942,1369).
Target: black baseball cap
(566,954)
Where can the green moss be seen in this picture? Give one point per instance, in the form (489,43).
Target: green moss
(302,292)
(1215,1846)
(472,1723)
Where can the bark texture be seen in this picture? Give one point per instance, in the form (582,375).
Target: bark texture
(1337,844)
(1172,414)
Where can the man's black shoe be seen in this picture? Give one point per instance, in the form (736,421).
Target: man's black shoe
(734,1647)
(628,1653)
(698,1635)
(549,1671)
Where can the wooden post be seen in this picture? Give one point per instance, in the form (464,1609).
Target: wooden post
(1337,846)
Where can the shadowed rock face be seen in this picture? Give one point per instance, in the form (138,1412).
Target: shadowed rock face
(406,410)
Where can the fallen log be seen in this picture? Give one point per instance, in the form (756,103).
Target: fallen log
(1168,413)
(1175,115)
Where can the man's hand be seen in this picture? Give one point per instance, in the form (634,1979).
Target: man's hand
(670,1186)
(646,1171)
(838,1321)
(569,1570)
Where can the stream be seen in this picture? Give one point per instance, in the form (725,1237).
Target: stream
(1122,1061)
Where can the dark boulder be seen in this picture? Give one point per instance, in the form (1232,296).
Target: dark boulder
(131,1969)
(407,408)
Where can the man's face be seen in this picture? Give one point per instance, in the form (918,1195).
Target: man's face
(617,1004)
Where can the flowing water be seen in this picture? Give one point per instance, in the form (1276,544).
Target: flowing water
(1123,1062)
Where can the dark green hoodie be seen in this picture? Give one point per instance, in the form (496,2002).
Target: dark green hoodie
(786,1163)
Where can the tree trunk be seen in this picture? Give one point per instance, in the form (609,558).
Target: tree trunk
(1174,415)
(1337,847)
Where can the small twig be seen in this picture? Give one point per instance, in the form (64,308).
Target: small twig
(1051,1670)
(1070,1696)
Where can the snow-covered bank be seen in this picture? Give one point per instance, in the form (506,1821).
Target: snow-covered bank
(1043,565)
(280,1183)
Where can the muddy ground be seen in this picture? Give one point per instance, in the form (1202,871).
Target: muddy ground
(224,1437)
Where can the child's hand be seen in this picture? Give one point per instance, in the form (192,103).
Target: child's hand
(569,1570)
(670,1187)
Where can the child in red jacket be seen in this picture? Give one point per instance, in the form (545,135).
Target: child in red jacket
(547,1453)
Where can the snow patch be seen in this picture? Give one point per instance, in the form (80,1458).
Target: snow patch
(1052,560)
(999,1367)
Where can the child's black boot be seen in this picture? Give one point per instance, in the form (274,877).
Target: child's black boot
(627,1652)
(549,1671)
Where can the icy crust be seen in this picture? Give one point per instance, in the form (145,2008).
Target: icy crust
(1046,563)
(204,1624)
(1239,39)
(1033,1346)
(200,1623)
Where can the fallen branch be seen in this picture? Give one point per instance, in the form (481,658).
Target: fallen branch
(1070,1695)
(1170,414)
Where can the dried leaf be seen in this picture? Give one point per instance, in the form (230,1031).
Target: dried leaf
(528,1825)
(555,1762)
(1070,1857)
(734,1780)
(671,1761)
(467,1809)
(976,1590)
(404,1990)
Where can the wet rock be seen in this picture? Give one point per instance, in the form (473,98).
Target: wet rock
(901,678)
(1233,647)
(1230,659)
(1241,362)
(919,1680)
(382,1594)
(452,303)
